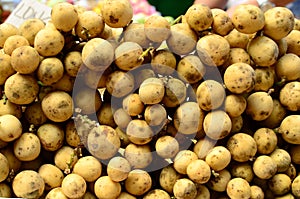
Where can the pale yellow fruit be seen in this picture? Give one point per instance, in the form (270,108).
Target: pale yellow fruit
(64,16)
(116,13)
(248,18)
(28,184)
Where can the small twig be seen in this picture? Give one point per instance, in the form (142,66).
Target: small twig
(270,91)
(145,53)
(215,174)
(177,20)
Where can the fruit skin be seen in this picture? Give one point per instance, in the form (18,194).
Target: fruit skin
(117,13)
(264,167)
(157,193)
(58,106)
(175,119)
(51,136)
(127,55)
(218,25)
(89,25)
(280,184)
(238,39)
(292,42)
(73,185)
(28,184)
(265,78)
(248,18)
(195,72)
(25,59)
(295,186)
(217,130)
(288,67)
(7,30)
(6,68)
(242,147)
(219,182)
(49,42)
(50,71)
(118,168)
(289,129)
(120,83)
(182,40)
(210,95)
(104,186)
(238,188)
(30,27)
(185,188)
(168,177)
(135,33)
(64,16)
(27,147)
(194,167)
(103,142)
(56,193)
(263,45)
(196,12)
(96,59)
(235,105)
(266,140)
(239,78)
(138,182)
(218,158)
(10,128)
(51,175)
(13,42)
(4,167)
(151,91)
(157,28)
(279,22)
(21,89)
(188,118)
(213,49)
(289,96)
(259,105)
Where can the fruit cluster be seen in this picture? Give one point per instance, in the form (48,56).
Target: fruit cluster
(95,105)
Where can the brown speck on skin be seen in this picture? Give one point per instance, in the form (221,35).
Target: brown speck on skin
(240,26)
(112,19)
(16,95)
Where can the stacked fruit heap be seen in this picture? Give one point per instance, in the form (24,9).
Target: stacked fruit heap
(97,106)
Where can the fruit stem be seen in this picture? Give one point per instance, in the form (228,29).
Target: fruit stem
(145,53)
(11,175)
(69,164)
(86,33)
(4,99)
(32,128)
(276,130)
(78,150)
(121,36)
(41,83)
(215,174)
(270,91)
(194,141)
(177,20)
(281,82)
(251,159)
(224,86)
(124,29)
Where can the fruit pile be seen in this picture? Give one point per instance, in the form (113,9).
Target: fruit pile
(94,105)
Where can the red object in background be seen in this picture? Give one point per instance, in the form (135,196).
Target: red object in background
(3,14)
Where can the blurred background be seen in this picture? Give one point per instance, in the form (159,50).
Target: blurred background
(144,8)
